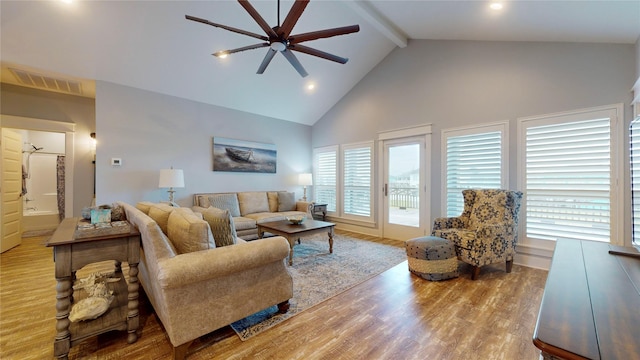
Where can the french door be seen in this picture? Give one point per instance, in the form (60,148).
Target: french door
(404,185)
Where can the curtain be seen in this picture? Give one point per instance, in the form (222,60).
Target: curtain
(60,181)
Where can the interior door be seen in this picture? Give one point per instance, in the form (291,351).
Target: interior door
(404,188)
(11,189)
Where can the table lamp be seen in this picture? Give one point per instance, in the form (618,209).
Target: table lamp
(171,178)
(305,180)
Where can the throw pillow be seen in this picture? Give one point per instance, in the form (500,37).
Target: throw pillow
(226,202)
(144,206)
(160,214)
(273,201)
(488,208)
(286,201)
(252,202)
(188,233)
(222,227)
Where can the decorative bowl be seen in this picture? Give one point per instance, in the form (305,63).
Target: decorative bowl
(296,220)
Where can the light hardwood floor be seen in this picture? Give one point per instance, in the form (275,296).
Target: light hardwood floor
(394,315)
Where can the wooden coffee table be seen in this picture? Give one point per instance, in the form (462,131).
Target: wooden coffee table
(293,232)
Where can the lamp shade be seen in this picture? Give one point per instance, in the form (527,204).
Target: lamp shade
(305,179)
(171,178)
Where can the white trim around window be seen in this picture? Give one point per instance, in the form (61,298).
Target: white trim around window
(544,167)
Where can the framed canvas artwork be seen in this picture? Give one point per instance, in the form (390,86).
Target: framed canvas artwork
(243,156)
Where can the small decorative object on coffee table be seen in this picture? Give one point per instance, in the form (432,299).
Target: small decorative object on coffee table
(296,220)
(293,232)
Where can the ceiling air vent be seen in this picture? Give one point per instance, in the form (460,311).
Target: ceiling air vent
(45,82)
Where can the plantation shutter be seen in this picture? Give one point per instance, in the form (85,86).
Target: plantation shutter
(568,180)
(357,180)
(325,175)
(634,137)
(473,161)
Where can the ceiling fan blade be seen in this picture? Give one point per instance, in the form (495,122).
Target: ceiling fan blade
(256,16)
(265,62)
(239,31)
(318,53)
(294,61)
(320,34)
(292,18)
(250,47)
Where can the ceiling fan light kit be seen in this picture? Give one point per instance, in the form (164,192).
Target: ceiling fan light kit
(279,38)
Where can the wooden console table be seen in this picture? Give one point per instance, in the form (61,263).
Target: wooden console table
(71,253)
(591,304)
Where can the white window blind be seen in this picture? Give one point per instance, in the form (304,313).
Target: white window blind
(568,180)
(325,175)
(474,159)
(634,137)
(357,180)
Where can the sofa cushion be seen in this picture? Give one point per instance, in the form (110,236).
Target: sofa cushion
(226,202)
(244,223)
(263,217)
(189,233)
(253,202)
(272,196)
(160,214)
(286,201)
(222,227)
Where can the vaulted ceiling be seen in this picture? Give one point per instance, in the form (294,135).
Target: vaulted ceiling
(150,45)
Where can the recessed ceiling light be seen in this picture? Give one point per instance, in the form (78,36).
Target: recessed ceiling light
(496,6)
(67,1)
(310,87)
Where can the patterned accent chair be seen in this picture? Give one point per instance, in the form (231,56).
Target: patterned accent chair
(487,230)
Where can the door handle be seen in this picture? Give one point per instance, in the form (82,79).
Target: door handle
(386,189)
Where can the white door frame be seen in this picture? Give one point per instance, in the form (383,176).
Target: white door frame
(423,131)
(19,122)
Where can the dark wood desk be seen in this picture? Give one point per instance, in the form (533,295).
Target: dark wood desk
(591,304)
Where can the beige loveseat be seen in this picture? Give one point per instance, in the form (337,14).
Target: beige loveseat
(196,287)
(250,208)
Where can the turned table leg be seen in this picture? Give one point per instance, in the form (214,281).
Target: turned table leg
(291,242)
(331,240)
(62,342)
(132,305)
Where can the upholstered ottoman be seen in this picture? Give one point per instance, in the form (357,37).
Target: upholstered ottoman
(432,258)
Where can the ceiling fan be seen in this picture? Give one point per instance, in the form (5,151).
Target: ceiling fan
(279,38)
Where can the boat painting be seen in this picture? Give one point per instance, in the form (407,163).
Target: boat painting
(231,155)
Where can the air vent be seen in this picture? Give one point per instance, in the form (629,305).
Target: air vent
(45,82)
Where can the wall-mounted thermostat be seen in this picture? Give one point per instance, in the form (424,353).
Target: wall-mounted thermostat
(116,161)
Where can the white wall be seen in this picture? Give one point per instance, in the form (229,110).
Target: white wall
(151,131)
(456,83)
(638,58)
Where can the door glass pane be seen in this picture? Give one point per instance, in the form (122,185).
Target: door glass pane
(404,184)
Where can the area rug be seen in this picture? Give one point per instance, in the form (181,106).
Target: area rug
(319,275)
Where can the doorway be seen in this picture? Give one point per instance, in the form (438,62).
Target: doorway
(404,188)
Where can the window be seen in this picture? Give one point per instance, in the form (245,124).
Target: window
(634,139)
(356,160)
(472,158)
(343,178)
(568,174)
(325,176)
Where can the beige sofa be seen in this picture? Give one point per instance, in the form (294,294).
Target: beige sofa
(194,293)
(250,208)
